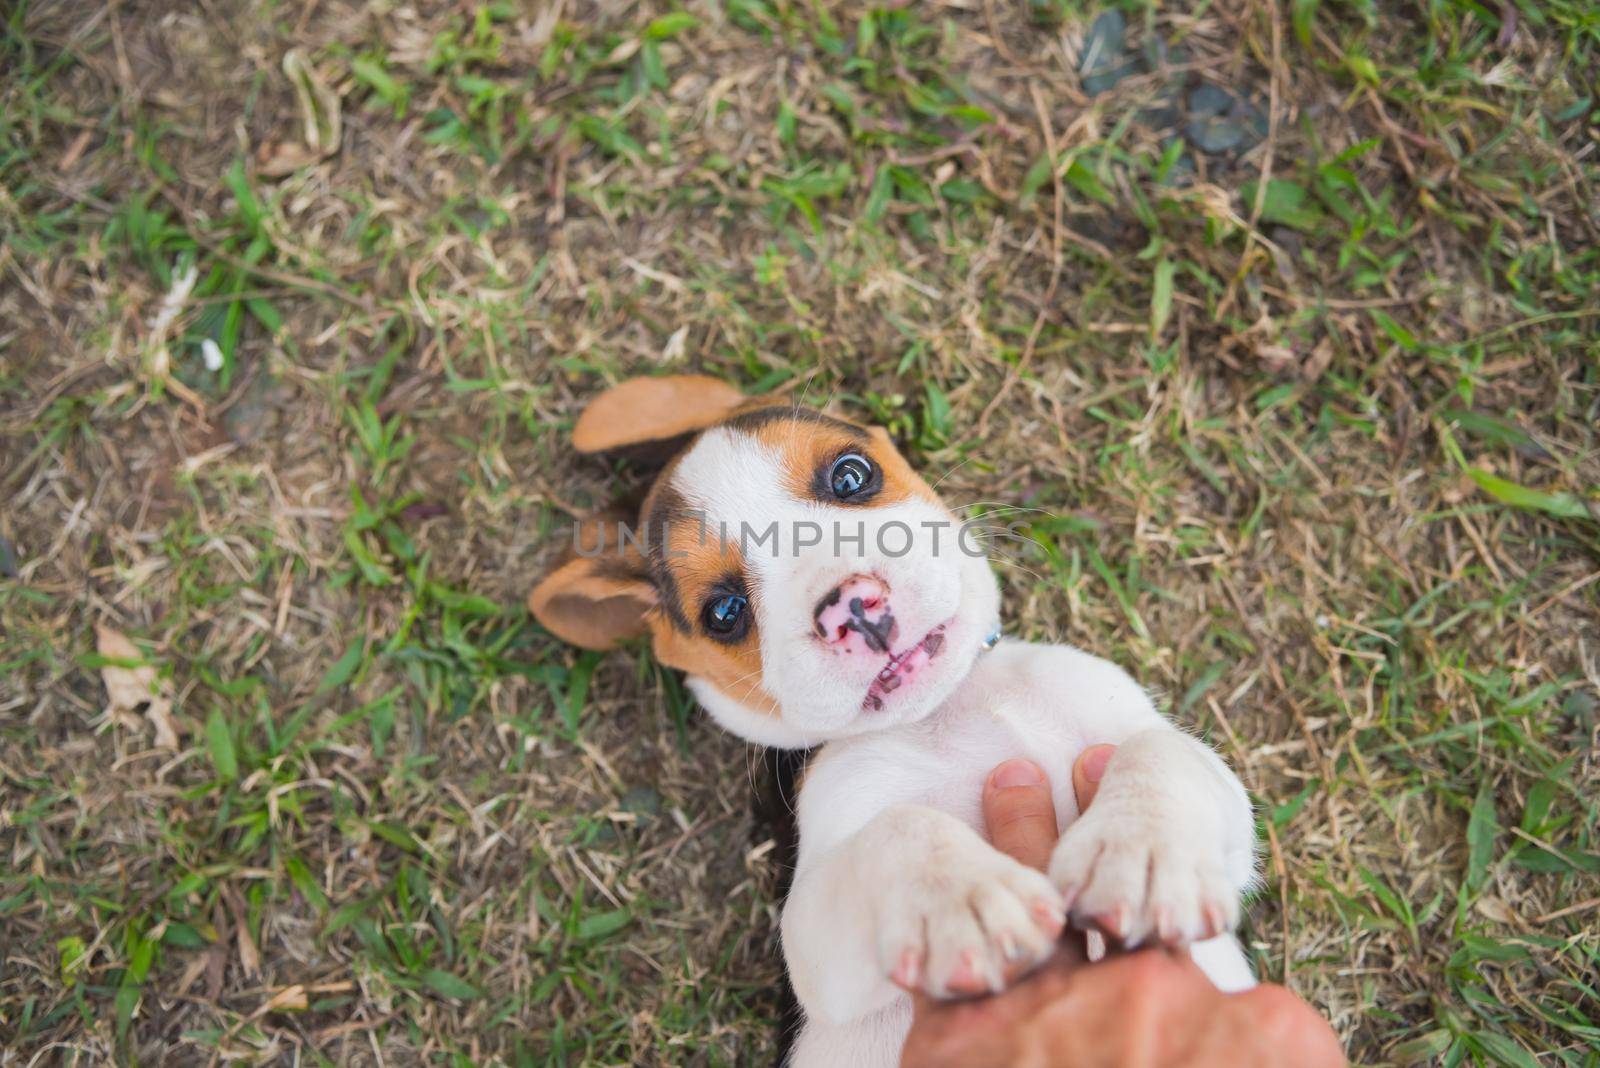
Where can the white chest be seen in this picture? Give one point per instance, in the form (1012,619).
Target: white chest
(1007,708)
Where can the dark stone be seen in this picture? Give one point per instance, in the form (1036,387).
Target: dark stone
(642,801)
(1222,122)
(1580,705)
(1161,117)
(1157,54)
(1213,134)
(1209,99)
(1104,62)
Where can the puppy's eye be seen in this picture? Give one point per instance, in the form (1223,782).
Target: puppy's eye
(725,616)
(849,475)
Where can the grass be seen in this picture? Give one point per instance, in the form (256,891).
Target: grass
(1288,388)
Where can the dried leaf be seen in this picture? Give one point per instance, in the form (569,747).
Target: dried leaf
(274,159)
(289,999)
(1496,910)
(159,712)
(1319,361)
(69,158)
(191,973)
(673,351)
(217,957)
(127,688)
(1277,358)
(249,956)
(319,105)
(1508,26)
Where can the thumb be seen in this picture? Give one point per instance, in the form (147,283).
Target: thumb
(1019,812)
(1088,771)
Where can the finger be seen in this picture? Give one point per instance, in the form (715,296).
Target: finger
(1088,771)
(1019,813)
(1288,1030)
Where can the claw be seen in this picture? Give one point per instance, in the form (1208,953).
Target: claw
(1069,894)
(1009,947)
(1115,922)
(1048,916)
(908,971)
(968,977)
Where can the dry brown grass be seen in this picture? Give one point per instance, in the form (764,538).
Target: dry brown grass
(1259,501)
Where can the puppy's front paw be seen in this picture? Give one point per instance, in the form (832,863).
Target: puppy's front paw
(1139,876)
(967,924)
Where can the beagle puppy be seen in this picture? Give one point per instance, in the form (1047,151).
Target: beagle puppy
(818,593)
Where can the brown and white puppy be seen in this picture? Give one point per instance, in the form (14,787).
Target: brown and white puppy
(816,591)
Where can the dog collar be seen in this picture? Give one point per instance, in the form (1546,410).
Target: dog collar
(992,640)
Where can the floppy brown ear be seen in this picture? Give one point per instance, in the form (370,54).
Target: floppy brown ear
(598,600)
(642,411)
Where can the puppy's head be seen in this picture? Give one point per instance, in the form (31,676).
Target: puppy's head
(810,584)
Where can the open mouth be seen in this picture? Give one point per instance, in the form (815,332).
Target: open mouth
(902,666)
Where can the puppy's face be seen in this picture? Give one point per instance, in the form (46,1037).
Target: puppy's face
(810,584)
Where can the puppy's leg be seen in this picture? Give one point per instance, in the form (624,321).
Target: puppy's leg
(1166,850)
(872,1042)
(915,898)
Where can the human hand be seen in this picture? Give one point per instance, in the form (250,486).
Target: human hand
(1019,812)
(1145,1009)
